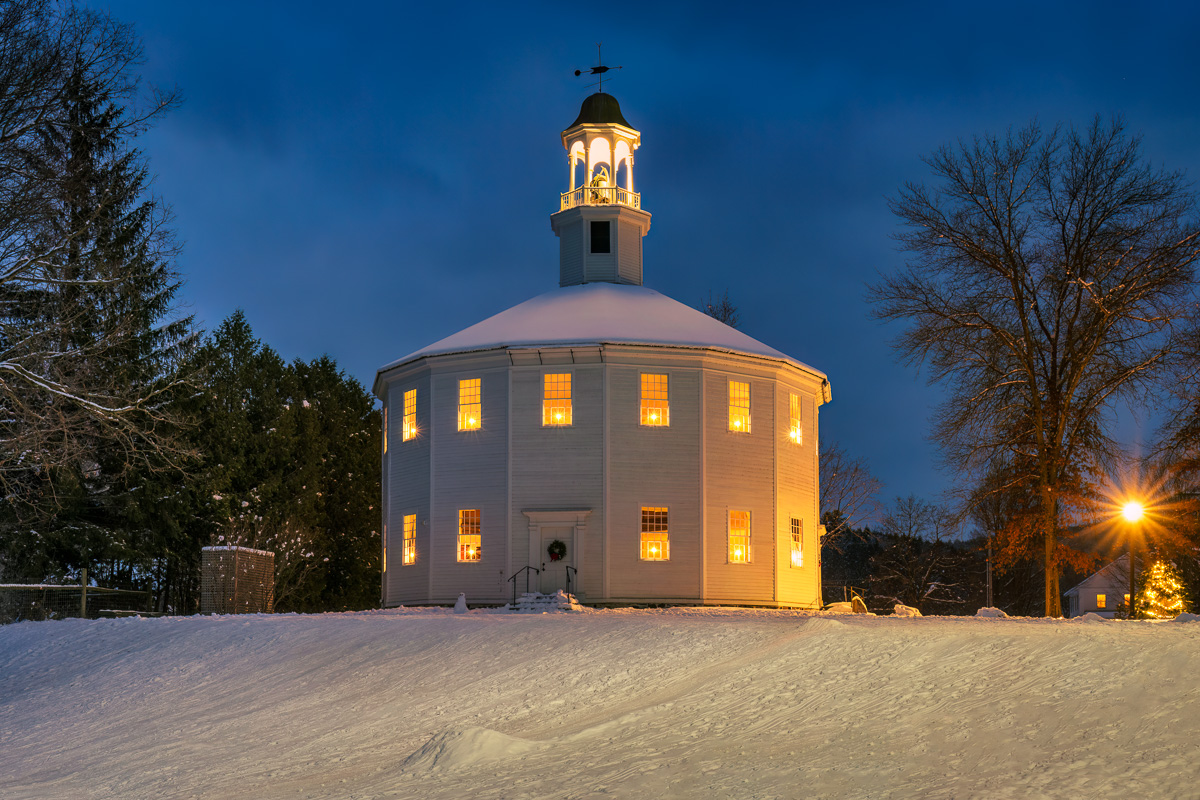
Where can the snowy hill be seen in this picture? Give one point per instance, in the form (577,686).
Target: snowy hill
(638,704)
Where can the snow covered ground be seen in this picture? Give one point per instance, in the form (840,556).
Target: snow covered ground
(637,704)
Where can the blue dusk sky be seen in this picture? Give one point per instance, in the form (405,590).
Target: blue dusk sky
(364,179)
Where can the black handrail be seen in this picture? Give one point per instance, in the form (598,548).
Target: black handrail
(570,569)
(513,580)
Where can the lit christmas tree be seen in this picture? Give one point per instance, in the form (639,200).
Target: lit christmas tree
(1162,592)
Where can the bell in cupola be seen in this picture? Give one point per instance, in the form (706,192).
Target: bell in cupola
(600,222)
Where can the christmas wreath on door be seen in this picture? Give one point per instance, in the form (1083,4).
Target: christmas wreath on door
(556,550)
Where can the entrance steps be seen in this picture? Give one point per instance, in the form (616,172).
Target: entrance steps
(538,603)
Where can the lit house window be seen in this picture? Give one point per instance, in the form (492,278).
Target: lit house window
(796,432)
(739,537)
(1101,601)
(409,423)
(469,408)
(384,549)
(655,544)
(656,410)
(556,399)
(385,430)
(739,406)
(469,542)
(410,539)
(797,541)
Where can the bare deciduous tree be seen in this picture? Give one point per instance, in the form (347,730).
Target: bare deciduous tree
(721,309)
(918,566)
(1045,275)
(849,492)
(61,403)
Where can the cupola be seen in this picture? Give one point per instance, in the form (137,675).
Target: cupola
(600,222)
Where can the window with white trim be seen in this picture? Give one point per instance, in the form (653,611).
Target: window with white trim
(739,406)
(556,399)
(408,425)
(470,406)
(656,545)
(796,431)
(739,537)
(797,542)
(656,406)
(410,539)
(470,542)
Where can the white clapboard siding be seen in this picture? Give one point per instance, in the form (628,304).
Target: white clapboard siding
(659,467)
(740,476)
(797,499)
(470,472)
(408,492)
(557,467)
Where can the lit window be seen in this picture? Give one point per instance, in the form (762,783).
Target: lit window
(410,539)
(1101,601)
(739,406)
(470,544)
(796,433)
(739,537)
(385,431)
(385,545)
(655,544)
(470,416)
(656,410)
(797,541)
(556,399)
(409,423)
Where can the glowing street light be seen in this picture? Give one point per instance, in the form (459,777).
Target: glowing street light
(1132,511)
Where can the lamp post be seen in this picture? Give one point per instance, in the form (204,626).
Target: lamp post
(1132,511)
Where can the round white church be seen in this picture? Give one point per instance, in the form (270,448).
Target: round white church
(601,437)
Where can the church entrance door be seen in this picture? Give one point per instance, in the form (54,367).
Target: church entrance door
(554,573)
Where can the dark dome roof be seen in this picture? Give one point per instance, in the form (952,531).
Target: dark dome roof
(600,109)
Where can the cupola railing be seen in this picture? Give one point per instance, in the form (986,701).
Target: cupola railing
(600,196)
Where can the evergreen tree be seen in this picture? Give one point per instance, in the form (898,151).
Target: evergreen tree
(104,315)
(74,219)
(1162,592)
(291,465)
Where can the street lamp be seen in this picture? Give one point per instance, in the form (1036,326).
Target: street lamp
(1132,512)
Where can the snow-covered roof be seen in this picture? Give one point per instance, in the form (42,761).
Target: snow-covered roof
(601,313)
(1115,573)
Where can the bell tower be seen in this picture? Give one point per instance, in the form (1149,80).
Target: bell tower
(600,222)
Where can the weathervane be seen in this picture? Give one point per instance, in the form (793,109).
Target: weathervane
(599,69)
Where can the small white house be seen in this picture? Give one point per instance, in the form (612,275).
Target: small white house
(1102,591)
(601,438)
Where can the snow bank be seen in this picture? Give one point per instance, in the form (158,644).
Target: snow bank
(458,749)
(711,702)
(994,613)
(841,607)
(902,610)
(1187,618)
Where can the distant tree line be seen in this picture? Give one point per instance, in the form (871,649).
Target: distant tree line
(128,438)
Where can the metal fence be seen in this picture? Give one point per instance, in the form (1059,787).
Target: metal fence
(236,580)
(19,602)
